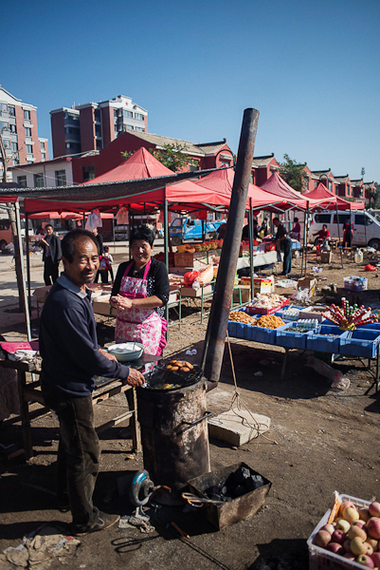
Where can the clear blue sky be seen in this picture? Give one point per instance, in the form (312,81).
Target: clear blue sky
(311,68)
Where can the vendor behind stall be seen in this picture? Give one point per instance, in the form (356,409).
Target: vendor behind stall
(284,244)
(323,234)
(140,292)
(296,231)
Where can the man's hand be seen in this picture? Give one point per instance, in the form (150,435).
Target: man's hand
(135,378)
(107,354)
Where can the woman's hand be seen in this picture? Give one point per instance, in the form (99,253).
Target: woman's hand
(121,303)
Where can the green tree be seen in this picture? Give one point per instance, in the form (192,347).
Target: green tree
(293,172)
(374,198)
(173,156)
(127,153)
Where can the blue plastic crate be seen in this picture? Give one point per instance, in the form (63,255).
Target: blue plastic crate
(370,327)
(261,334)
(291,339)
(237,330)
(320,341)
(361,343)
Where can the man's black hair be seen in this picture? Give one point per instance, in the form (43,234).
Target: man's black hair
(49,226)
(68,242)
(296,219)
(142,232)
(278,219)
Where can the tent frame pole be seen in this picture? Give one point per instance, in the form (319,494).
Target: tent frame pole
(24,294)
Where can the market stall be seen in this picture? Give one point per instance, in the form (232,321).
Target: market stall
(348,331)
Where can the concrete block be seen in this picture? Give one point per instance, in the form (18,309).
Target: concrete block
(237,427)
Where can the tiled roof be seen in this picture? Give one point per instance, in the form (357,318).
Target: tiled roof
(341,179)
(201,149)
(259,161)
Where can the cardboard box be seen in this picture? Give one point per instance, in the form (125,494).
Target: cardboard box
(41,293)
(245,292)
(102,306)
(195,260)
(326,256)
(190,292)
(308,282)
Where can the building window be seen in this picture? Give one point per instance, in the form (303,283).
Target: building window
(88,172)
(98,131)
(42,145)
(330,185)
(315,183)
(115,113)
(28,132)
(127,114)
(38,180)
(11,111)
(60,178)
(14,146)
(306,183)
(4,126)
(13,128)
(43,157)
(99,144)
(16,161)
(140,129)
(26,115)
(21,180)
(139,116)
(193,165)
(29,149)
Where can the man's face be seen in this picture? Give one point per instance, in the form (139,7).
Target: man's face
(276,223)
(49,230)
(85,263)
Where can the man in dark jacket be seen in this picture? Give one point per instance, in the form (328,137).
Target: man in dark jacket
(51,255)
(71,358)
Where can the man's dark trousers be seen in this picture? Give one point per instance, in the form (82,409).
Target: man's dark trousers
(50,270)
(78,456)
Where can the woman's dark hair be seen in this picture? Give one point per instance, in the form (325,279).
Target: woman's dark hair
(68,242)
(142,232)
(296,219)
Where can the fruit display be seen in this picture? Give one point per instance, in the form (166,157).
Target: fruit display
(194,247)
(241,317)
(268,301)
(348,318)
(352,532)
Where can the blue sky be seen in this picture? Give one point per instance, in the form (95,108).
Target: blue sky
(311,68)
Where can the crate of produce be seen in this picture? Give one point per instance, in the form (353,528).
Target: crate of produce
(313,313)
(239,328)
(361,343)
(247,491)
(325,339)
(290,338)
(322,559)
(354,283)
(196,260)
(263,334)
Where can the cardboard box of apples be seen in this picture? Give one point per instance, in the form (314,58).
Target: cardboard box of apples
(347,536)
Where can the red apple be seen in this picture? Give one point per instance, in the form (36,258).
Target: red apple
(356,531)
(364,514)
(344,505)
(351,514)
(365,560)
(338,536)
(374,509)
(360,524)
(358,546)
(346,545)
(373,527)
(376,558)
(328,527)
(335,547)
(369,549)
(349,555)
(343,525)
(374,543)
(322,538)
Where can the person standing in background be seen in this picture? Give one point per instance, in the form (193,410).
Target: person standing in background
(348,233)
(99,241)
(51,255)
(296,231)
(284,244)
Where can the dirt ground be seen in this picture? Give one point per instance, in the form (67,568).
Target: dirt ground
(319,441)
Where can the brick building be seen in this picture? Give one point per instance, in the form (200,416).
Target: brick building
(18,127)
(93,126)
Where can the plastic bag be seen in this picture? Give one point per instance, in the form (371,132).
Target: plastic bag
(190,277)
(122,216)
(370,267)
(301,295)
(336,378)
(94,220)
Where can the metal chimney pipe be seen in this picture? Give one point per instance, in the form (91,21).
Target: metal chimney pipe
(212,358)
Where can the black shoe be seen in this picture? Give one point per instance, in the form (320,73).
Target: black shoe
(104,521)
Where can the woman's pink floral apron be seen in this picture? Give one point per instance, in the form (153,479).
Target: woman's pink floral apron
(139,325)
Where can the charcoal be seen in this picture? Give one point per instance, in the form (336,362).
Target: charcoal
(239,491)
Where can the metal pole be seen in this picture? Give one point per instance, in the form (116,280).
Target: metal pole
(27,258)
(337,221)
(251,267)
(27,314)
(213,352)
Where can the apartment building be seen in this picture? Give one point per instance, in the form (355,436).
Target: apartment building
(18,128)
(92,126)
(48,174)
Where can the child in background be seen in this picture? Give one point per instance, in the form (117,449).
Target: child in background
(105,265)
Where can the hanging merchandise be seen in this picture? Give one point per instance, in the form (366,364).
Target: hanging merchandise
(94,220)
(122,216)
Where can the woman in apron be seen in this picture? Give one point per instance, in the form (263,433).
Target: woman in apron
(140,293)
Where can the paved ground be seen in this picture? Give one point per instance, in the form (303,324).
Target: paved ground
(319,441)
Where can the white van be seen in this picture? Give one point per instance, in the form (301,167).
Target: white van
(366,227)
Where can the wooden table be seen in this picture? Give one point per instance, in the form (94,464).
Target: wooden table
(30,391)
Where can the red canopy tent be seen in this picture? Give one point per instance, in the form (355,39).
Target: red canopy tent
(327,199)
(277,186)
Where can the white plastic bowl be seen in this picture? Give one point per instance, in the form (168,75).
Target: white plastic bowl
(126,351)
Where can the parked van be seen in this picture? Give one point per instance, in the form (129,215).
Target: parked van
(366,227)
(5,232)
